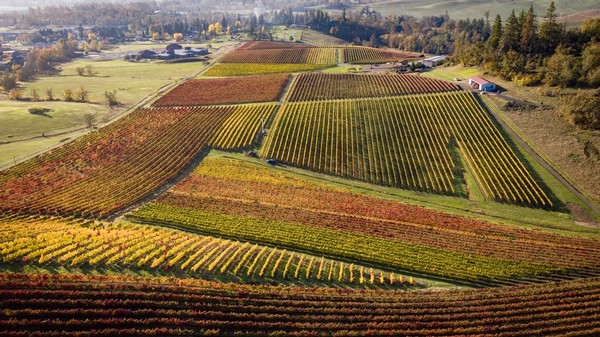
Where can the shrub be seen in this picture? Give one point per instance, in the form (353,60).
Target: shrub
(526,80)
(35,96)
(15,94)
(68,95)
(583,109)
(111,98)
(49,95)
(8,81)
(81,95)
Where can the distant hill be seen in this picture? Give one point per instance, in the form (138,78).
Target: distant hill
(461,9)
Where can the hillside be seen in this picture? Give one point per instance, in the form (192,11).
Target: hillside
(276,193)
(475,9)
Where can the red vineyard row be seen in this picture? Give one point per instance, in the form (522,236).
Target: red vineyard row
(109,169)
(319,86)
(45,305)
(247,89)
(583,255)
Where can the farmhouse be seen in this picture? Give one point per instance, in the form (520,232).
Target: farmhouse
(147,54)
(433,61)
(172,52)
(481,84)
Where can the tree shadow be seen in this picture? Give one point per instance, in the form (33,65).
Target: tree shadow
(40,112)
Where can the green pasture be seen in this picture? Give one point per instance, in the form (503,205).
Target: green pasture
(17,123)
(451,73)
(132,80)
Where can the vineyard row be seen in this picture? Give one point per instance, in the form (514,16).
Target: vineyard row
(41,242)
(408,142)
(53,305)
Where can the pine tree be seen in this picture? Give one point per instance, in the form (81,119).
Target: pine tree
(494,40)
(511,32)
(550,31)
(529,32)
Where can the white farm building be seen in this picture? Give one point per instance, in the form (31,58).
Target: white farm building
(481,84)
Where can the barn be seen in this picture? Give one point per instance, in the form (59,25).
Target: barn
(481,84)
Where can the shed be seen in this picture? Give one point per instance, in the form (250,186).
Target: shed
(481,84)
(433,61)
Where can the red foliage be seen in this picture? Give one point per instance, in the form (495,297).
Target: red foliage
(319,86)
(109,169)
(372,216)
(112,306)
(229,90)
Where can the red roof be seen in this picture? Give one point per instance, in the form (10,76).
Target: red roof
(479,80)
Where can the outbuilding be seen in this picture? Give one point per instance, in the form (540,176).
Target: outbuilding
(481,84)
(433,61)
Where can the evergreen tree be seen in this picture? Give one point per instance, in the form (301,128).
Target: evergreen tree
(494,40)
(510,37)
(487,29)
(529,32)
(550,31)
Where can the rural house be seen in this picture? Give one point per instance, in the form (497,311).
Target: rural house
(481,84)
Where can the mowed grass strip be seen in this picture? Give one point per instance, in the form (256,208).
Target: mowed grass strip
(232,90)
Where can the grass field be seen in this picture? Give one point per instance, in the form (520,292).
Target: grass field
(133,81)
(14,152)
(451,73)
(17,123)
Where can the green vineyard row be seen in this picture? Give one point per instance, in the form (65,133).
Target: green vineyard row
(356,247)
(241,128)
(406,142)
